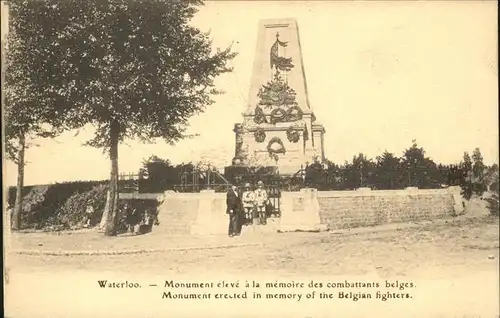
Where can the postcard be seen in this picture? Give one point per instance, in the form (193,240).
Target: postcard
(250,158)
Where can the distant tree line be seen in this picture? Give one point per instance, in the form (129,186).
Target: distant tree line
(412,169)
(386,172)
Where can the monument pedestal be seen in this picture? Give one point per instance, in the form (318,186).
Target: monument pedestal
(209,220)
(300,212)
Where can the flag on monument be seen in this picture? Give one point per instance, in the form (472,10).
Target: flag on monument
(274,50)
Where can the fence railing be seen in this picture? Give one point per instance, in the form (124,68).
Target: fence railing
(128,182)
(194,188)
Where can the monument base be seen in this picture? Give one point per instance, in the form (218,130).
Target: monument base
(300,212)
(209,220)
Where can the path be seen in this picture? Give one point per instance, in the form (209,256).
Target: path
(453,263)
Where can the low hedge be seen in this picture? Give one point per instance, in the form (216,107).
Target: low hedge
(72,214)
(32,203)
(41,203)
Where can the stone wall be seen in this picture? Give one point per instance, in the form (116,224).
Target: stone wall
(349,209)
(309,210)
(177,213)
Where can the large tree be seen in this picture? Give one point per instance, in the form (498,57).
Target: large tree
(388,167)
(466,179)
(158,175)
(420,171)
(28,113)
(20,126)
(359,172)
(133,69)
(478,180)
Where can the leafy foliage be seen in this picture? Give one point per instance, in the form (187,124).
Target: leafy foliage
(492,184)
(32,204)
(132,69)
(478,182)
(41,203)
(72,214)
(421,171)
(491,178)
(466,184)
(138,63)
(27,110)
(391,172)
(387,171)
(159,175)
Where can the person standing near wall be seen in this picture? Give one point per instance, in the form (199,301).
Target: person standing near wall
(260,202)
(129,214)
(233,204)
(248,203)
(89,212)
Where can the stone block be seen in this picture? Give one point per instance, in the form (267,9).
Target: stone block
(303,217)
(209,219)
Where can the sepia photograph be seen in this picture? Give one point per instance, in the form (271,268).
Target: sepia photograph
(303,159)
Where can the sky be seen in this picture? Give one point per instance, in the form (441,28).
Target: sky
(379,75)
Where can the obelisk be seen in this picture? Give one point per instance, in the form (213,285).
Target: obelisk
(278,125)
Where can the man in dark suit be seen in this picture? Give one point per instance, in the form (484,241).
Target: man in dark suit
(233,203)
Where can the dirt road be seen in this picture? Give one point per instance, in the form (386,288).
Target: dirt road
(453,265)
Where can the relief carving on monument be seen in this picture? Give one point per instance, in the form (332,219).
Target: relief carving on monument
(276,96)
(292,135)
(275,147)
(260,135)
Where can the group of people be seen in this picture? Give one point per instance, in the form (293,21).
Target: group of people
(136,218)
(139,219)
(250,208)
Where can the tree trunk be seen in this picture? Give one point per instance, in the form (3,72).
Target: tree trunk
(113,180)
(16,217)
(105,213)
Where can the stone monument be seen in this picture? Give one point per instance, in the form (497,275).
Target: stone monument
(279,127)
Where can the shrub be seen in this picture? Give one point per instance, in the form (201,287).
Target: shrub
(72,214)
(31,205)
(41,203)
(492,204)
(11,194)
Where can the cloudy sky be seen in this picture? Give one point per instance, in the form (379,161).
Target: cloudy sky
(379,74)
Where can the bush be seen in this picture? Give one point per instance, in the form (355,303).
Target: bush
(41,203)
(31,205)
(492,204)
(72,214)
(11,194)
